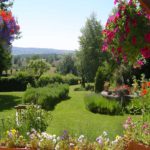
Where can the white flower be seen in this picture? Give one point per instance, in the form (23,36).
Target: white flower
(28,133)
(54,136)
(71,144)
(58,138)
(105,133)
(54,141)
(57,147)
(80,139)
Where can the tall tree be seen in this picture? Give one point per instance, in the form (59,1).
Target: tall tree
(67,65)
(90,45)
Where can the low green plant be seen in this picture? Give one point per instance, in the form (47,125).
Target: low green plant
(47,96)
(34,117)
(98,104)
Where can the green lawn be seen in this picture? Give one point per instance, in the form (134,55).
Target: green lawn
(69,115)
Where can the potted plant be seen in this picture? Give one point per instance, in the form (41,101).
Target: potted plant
(137,135)
(13,141)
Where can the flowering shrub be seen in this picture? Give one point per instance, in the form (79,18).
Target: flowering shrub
(127,32)
(13,139)
(9,28)
(137,131)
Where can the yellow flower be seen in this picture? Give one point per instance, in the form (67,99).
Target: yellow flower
(7,132)
(118,137)
(13,131)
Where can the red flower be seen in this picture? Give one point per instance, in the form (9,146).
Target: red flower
(134,23)
(145,52)
(134,40)
(148,84)
(147,37)
(143,92)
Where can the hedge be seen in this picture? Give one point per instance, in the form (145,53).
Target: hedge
(15,83)
(98,104)
(47,96)
(57,78)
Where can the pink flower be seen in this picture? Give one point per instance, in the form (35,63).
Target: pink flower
(104,48)
(130,2)
(145,52)
(127,28)
(119,49)
(147,37)
(134,40)
(134,23)
(125,58)
(116,1)
(140,62)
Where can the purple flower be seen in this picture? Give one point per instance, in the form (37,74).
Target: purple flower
(116,1)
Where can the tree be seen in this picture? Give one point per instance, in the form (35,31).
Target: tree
(90,45)
(38,67)
(5,59)
(67,65)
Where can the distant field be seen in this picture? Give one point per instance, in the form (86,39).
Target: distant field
(69,115)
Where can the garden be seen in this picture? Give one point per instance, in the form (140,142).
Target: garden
(95,99)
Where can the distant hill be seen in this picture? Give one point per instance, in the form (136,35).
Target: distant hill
(26,51)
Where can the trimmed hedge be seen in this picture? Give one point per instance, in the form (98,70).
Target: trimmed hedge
(98,104)
(16,83)
(47,96)
(49,79)
(20,81)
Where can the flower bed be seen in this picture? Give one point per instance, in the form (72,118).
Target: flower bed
(131,140)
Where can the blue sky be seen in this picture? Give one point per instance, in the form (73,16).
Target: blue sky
(56,23)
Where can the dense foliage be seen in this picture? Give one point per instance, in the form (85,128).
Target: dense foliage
(57,78)
(67,65)
(47,96)
(18,82)
(89,56)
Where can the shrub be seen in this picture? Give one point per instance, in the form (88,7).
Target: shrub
(71,79)
(16,83)
(49,79)
(138,105)
(33,118)
(98,104)
(103,73)
(47,96)
(56,78)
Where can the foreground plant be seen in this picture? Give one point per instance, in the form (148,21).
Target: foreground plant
(13,139)
(138,131)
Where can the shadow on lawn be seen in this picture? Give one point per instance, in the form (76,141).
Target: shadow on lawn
(8,102)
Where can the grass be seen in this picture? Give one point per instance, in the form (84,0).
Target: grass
(69,115)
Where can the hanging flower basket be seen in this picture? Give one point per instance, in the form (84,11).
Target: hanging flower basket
(9,28)
(127,32)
